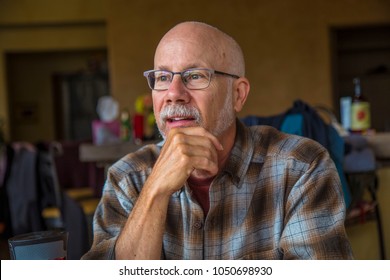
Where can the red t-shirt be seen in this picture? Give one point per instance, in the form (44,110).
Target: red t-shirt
(200,190)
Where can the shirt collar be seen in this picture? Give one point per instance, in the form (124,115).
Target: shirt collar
(240,155)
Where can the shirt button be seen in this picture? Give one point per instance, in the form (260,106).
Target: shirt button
(198,224)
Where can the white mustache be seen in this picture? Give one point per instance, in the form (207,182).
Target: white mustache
(180,111)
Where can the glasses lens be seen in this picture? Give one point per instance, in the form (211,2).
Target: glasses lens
(159,80)
(196,78)
(192,78)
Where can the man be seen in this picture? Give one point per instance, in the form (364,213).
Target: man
(216,189)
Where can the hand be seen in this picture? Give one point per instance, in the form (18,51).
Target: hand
(185,150)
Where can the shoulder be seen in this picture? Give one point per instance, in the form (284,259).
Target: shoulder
(126,176)
(140,160)
(270,142)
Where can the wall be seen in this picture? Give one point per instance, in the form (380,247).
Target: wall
(286,43)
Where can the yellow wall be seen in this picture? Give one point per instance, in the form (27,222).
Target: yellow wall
(53,11)
(286,44)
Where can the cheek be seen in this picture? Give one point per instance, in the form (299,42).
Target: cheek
(218,99)
(212,106)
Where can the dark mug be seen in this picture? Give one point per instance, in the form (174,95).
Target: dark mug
(40,245)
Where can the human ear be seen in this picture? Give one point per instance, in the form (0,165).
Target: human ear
(240,93)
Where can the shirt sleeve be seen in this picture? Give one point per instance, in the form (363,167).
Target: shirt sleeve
(123,185)
(314,215)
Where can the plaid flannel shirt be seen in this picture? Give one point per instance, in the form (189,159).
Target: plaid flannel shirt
(278,197)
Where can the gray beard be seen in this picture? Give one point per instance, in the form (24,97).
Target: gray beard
(226,116)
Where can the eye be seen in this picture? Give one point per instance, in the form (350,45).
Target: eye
(162,76)
(194,75)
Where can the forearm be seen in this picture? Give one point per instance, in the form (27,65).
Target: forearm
(141,237)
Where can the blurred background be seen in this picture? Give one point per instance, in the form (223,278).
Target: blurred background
(59,58)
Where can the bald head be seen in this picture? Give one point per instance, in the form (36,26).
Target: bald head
(206,43)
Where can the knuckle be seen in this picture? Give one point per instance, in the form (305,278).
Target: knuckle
(178,138)
(181,148)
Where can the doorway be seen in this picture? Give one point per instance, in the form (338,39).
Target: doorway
(363,52)
(41,88)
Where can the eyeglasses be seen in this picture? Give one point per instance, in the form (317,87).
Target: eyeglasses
(195,78)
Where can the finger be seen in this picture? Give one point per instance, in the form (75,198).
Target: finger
(184,153)
(204,164)
(199,131)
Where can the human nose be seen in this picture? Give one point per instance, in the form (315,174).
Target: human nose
(177,91)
